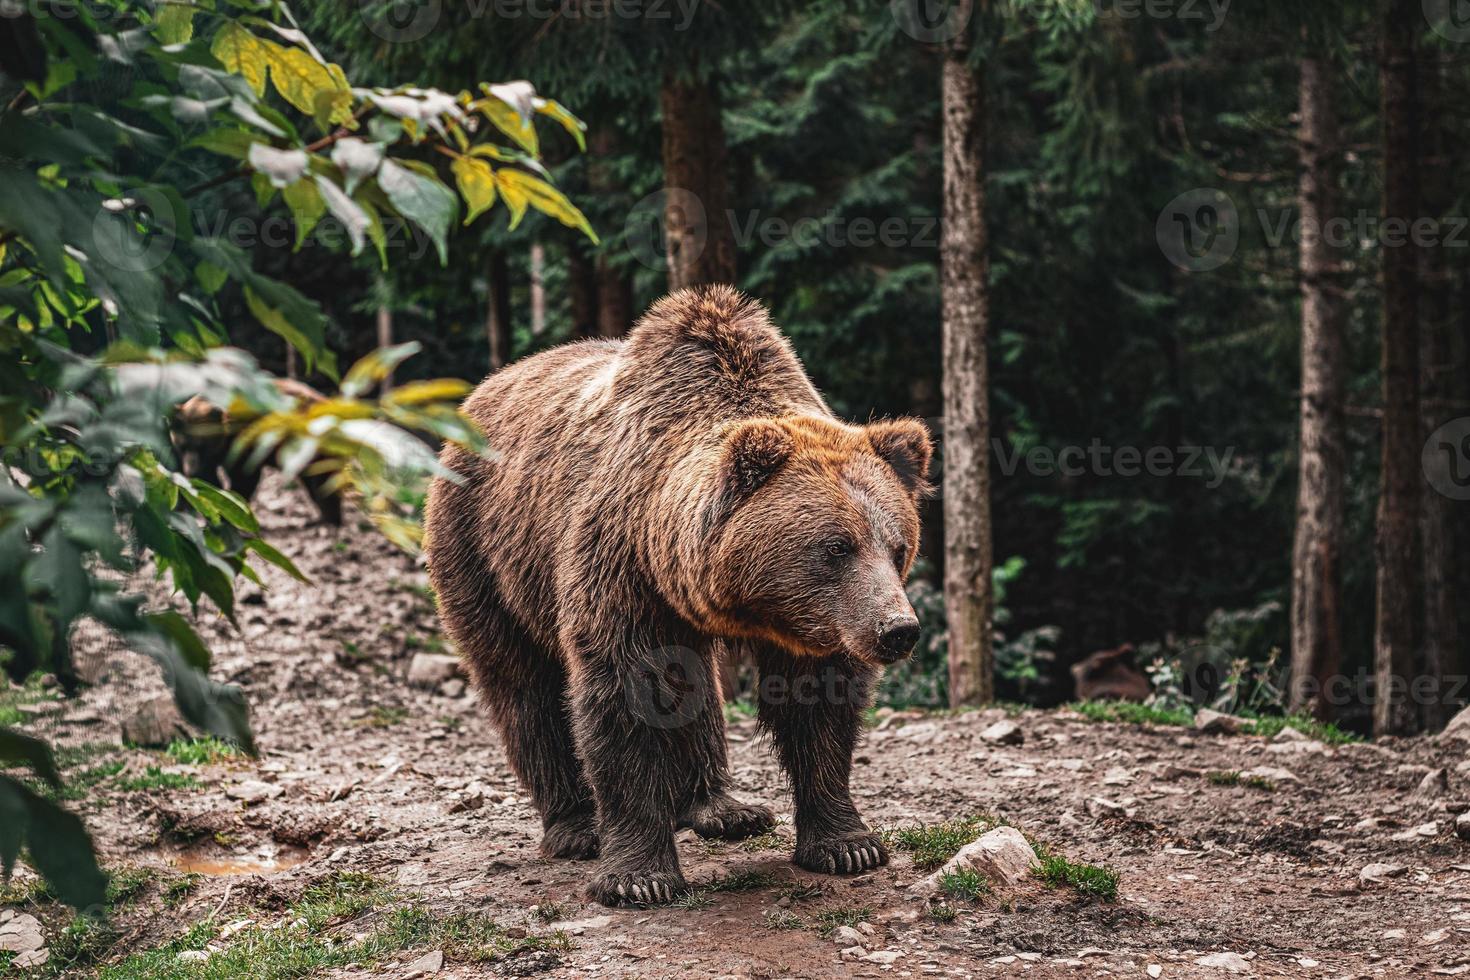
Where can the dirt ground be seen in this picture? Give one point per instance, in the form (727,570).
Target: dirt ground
(361,771)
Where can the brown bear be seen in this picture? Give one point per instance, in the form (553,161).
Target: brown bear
(644,502)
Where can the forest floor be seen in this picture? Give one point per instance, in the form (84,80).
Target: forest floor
(381,834)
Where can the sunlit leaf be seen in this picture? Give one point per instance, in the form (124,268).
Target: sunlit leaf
(423,200)
(476,181)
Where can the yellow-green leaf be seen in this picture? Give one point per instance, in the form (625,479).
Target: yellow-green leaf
(510,122)
(476,185)
(515,198)
(543,197)
(569,122)
(174,23)
(420,392)
(301,79)
(242,53)
(306,204)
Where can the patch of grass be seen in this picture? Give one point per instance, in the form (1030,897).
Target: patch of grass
(305,942)
(943,913)
(434,643)
(200,751)
(739,710)
(781,919)
(828,920)
(34,891)
(769,841)
(548,912)
(693,901)
(933,844)
(11,699)
(1270,726)
(179,888)
(153,778)
(124,884)
(452,722)
(741,881)
(1132,713)
(1230,777)
(380,717)
(967,884)
(802,890)
(1088,879)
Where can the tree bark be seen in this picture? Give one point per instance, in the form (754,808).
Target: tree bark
(538,289)
(385,339)
(1396,547)
(582,289)
(614,300)
(964,271)
(497,310)
(1437,390)
(1316,577)
(698,236)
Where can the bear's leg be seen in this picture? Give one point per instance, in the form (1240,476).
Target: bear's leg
(813,710)
(650,736)
(524,686)
(713,812)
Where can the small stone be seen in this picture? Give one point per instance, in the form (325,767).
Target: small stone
(884,956)
(1462,826)
(847,936)
(1208,722)
(1272,774)
(1289,734)
(1380,872)
(1003,855)
(1004,733)
(1458,728)
(1172,772)
(1307,962)
(253,791)
(1155,970)
(32,958)
(1436,783)
(452,688)
(432,669)
(1232,962)
(1099,808)
(431,962)
(1434,937)
(852,953)
(1424,830)
(192,956)
(1395,933)
(154,723)
(577,926)
(21,933)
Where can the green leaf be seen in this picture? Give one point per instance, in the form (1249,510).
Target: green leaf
(242,53)
(307,207)
(211,277)
(265,550)
(56,842)
(178,630)
(230,505)
(476,182)
(277,323)
(16,748)
(423,200)
(569,122)
(307,84)
(174,23)
(345,210)
(375,366)
(225,141)
(357,159)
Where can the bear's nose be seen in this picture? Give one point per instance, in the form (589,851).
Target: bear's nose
(897,638)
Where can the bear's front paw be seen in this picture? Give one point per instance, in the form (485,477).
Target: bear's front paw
(726,818)
(842,855)
(637,888)
(572,837)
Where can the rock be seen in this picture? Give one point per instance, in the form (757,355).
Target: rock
(20,933)
(1172,772)
(253,791)
(884,956)
(1099,808)
(924,731)
(428,963)
(1424,830)
(452,688)
(1462,826)
(154,723)
(32,958)
(1004,733)
(1458,728)
(847,936)
(1232,962)
(852,953)
(432,669)
(1155,971)
(192,956)
(1289,734)
(1436,783)
(1117,776)
(1003,855)
(1208,722)
(578,926)
(1380,872)
(1272,774)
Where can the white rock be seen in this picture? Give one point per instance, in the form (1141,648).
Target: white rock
(431,962)
(1004,733)
(192,956)
(1458,728)
(1307,962)
(1380,872)
(1117,776)
(1210,722)
(432,669)
(1003,855)
(1424,830)
(852,953)
(1098,807)
(1274,774)
(924,731)
(32,958)
(1434,937)
(1436,783)
(886,956)
(1395,933)
(1462,825)
(581,925)
(1289,734)
(253,791)
(847,936)
(1232,962)
(452,688)
(1155,970)
(21,933)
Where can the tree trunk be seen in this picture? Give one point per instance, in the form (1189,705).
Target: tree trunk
(497,310)
(538,289)
(1398,502)
(385,339)
(1316,577)
(1437,390)
(964,266)
(698,236)
(614,300)
(582,288)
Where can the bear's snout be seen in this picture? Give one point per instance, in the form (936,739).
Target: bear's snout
(896,638)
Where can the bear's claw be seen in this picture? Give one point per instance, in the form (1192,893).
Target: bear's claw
(638,888)
(726,818)
(572,837)
(843,855)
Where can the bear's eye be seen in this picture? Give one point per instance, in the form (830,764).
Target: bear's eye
(900,554)
(837,549)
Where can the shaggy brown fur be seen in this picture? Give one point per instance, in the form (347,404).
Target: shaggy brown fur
(643,502)
(1110,675)
(203,434)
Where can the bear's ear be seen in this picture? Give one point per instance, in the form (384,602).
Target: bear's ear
(904,444)
(754,450)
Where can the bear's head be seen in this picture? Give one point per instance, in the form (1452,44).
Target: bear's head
(817,526)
